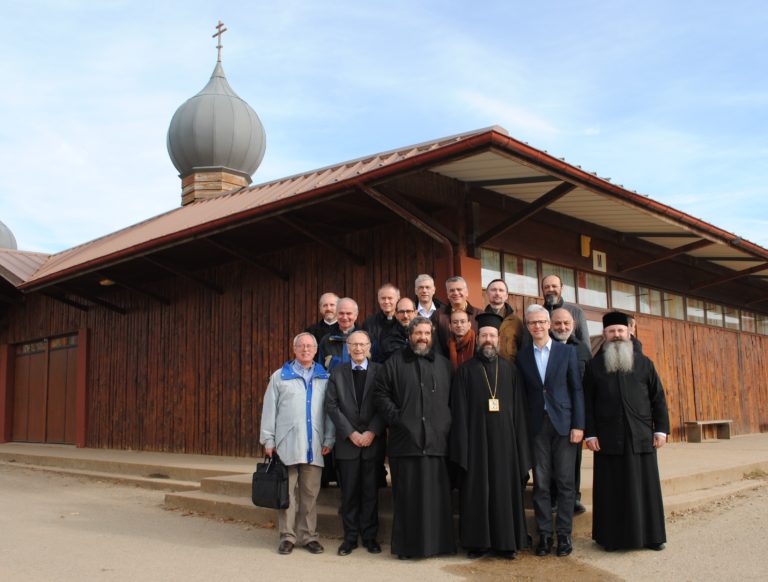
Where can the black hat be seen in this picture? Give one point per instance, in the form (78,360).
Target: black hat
(615,318)
(488,320)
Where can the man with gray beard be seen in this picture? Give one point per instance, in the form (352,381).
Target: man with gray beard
(489,443)
(627,421)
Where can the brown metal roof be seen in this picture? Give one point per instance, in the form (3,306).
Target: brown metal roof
(482,155)
(16,267)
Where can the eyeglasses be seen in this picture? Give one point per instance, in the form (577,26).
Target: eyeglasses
(538,323)
(404,311)
(358,344)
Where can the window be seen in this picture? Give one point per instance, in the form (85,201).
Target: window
(761,322)
(650,301)
(521,275)
(731,317)
(623,296)
(748,322)
(673,306)
(566,276)
(490,264)
(695,310)
(714,314)
(592,290)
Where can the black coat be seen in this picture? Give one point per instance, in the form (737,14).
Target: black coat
(621,405)
(378,327)
(412,393)
(349,416)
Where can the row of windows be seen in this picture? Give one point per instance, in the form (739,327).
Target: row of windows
(523,275)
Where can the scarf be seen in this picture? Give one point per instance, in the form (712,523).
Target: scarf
(464,350)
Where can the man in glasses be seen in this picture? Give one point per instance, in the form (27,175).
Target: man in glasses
(550,371)
(397,338)
(359,428)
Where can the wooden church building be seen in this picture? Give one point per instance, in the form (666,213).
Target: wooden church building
(162,336)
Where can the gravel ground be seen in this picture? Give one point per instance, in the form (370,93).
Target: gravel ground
(67,528)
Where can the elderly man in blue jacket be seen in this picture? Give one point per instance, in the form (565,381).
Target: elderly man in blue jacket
(294,423)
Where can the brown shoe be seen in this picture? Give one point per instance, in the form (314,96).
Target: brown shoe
(285,547)
(315,548)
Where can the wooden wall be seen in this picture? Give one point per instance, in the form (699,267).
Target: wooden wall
(709,373)
(190,377)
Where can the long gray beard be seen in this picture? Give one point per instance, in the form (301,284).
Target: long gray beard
(619,356)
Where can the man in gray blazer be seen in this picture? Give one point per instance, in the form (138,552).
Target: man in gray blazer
(359,430)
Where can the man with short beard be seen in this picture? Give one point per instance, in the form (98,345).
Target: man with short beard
(412,393)
(552,289)
(512,330)
(489,443)
(562,331)
(397,338)
(627,420)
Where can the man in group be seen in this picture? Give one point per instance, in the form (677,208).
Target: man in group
(359,428)
(489,443)
(383,321)
(550,372)
(552,289)
(327,323)
(562,331)
(428,304)
(292,419)
(512,330)
(627,421)
(461,342)
(412,393)
(456,288)
(397,339)
(333,346)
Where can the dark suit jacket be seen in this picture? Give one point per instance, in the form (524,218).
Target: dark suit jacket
(342,406)
(561,390)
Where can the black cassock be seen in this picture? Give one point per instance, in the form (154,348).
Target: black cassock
(492,450)
(624,410)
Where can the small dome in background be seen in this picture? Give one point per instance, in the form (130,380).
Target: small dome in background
(7,240)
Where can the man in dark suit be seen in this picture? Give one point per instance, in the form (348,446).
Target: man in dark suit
(552,380)
(359,429)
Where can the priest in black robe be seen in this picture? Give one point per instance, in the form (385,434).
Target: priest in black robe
(412,394)
(489,443)
(627,421)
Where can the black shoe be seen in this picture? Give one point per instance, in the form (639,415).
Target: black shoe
(403,557)
(476,553)
(578,508)
(346,548)
(372,546)
(564,545)
(285,547)
(314,548)
(655,547)
(545,545)
(506,554)
(610,548)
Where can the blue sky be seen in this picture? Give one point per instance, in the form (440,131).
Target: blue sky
(667,98)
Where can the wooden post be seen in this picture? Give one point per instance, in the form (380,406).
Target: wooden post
(6,393)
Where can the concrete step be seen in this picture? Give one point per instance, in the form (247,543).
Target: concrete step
(107,462)
(159,483)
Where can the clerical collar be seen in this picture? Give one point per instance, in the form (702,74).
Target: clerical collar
(326,322)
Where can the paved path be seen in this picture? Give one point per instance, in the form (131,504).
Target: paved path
(67,528)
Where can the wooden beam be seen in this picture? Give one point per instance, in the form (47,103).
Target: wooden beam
(514,181)
(92,298)
(357,259)
(233,250)
(699,244)
(534,207)
(734,276)
(136,288)
(64,300)
(410,212)
(185,274)
(663,234)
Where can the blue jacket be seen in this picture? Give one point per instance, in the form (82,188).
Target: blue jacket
(293,418)
(561,390)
